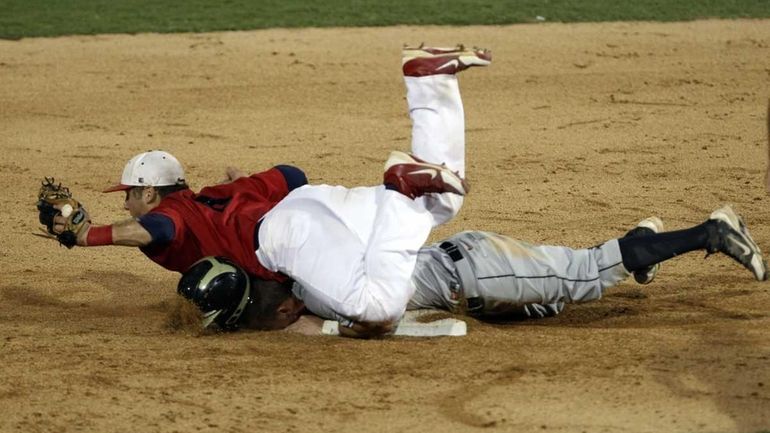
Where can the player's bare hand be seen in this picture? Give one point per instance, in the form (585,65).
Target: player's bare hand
(368,329)
(232,173)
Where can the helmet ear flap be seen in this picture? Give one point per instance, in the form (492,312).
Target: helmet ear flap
(189,284)
(219,288)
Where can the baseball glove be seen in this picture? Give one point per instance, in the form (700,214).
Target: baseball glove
(56,200)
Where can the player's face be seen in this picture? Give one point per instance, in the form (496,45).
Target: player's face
(135,203)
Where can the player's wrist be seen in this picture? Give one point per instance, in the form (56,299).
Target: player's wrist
(98,235)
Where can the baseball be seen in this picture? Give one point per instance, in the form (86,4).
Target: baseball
(66,210)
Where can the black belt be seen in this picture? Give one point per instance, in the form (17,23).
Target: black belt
(466,275)
(256,235)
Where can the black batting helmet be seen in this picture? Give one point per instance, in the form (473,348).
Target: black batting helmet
(219,288)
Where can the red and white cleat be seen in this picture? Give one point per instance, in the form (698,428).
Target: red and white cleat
(423,61)
(414,177)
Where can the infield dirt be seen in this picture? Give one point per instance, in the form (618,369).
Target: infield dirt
(575,133)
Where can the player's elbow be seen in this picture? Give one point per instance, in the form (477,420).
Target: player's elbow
(370,309)
(383,312)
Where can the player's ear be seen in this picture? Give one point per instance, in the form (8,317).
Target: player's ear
(150,195)
(288,310)
(291,306)
(285,308)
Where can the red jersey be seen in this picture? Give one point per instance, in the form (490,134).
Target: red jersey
(218,221)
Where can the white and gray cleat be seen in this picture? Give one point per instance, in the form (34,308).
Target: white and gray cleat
(732,238)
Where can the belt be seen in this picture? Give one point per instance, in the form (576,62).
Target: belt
(465,273)
(256,235)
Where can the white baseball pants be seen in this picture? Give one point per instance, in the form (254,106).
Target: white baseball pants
(438,134)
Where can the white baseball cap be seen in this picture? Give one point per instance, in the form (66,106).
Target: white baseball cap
(154,168)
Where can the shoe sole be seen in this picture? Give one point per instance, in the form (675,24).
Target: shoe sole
(758,265)
(656,225)
(468,58)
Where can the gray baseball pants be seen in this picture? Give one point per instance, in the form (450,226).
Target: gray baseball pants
(486,275)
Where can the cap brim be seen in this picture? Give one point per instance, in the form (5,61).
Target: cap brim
(118,187)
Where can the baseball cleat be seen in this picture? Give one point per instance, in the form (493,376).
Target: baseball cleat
(732,238)
(423,61)
(646,227)
(414,177)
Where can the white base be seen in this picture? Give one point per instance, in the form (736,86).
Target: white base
(409,326)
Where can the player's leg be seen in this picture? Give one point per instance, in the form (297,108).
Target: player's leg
(512,272)
(723,232)
(438,120)
(495,268)
(496,274)
(436,110)
(438,284)
(486,274)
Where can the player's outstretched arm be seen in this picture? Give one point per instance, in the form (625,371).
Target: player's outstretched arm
(130,233)
(127,233)
(66,220)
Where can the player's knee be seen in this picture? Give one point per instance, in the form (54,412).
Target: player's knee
(393,313)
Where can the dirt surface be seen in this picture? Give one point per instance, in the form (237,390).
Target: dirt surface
(575,133)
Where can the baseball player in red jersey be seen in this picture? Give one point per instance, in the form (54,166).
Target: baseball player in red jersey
(176,227)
